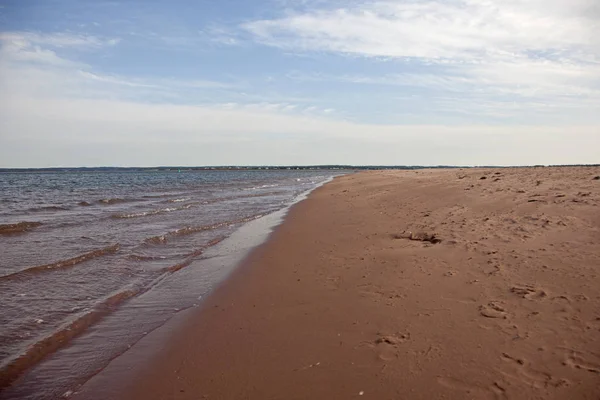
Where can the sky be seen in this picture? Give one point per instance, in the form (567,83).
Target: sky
(299,82)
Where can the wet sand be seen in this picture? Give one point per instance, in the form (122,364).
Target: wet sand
(454,284)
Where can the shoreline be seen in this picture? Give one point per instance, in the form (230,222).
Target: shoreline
(217,262)
(349,297)
(248,240)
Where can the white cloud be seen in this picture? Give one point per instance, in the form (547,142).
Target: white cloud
(47,78)
(57,40)
(31,65)
(54,111)
(487,91)
(464,30)
(31,47)
(43,132)
(220,35)
(24,51)
(53,116)
(156,83)
(527,79)
(114,80)
(534,49)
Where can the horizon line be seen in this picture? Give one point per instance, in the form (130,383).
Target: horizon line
(286,167)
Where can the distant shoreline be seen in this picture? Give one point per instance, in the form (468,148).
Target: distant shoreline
(272,167)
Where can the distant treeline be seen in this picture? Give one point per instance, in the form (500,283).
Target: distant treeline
(267,167)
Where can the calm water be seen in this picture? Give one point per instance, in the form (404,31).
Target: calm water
(80,247)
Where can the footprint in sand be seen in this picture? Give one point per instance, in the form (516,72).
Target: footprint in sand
(580,297)
(378,293)
(529,292)
(386,345)
(472,391)
(576,298)
(493,310)
(524,374)
(587,362)
(393,339)
(493,268)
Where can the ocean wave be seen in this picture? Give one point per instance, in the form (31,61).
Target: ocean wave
(177,267)
(241,197)
(11,369)
(20,227)
(162,196)
(312,179)
(178,200)
(43,347)
(263,194)
(262,187)
(48,208)
(192,256)
(151,212)
(141,257)
(114,201)
(156,239)
(188,230)
(62,264)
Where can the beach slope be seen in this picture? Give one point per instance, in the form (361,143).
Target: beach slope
(454,284)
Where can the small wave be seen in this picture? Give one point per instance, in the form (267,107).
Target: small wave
(244,196)
(156,239)
(214,242)
(262,187)
(190,257)
(188,230)
(162,196)
(68,263)
(177,200)
(48,208)
(315,178)
(140,257)
(152,212)
(12,368)
(113,201)
(84,203)
(262,194)
(62,336)
(177,267)
(20,227)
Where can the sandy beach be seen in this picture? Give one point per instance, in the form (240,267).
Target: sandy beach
(449,284)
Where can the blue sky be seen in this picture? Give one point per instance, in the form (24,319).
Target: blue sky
(299,82)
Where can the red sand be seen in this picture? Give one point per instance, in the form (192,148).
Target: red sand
(346,300)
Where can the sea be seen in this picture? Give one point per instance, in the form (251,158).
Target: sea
(92,261)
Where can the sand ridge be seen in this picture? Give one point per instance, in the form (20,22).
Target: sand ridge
(454,284)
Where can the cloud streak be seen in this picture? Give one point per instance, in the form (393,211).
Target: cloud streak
(528,49)
(57,40)
(30,69)
(30,65)
(440,31)
(118,132)
(30,47)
